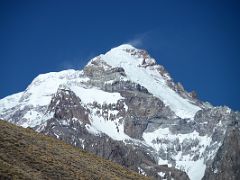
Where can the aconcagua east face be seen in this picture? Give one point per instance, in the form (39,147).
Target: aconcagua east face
(125,107)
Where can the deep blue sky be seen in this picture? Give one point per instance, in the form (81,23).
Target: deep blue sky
(198,42)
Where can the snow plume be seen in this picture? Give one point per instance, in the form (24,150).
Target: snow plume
(138,40)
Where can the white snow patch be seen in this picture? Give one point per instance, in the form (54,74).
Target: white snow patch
(10,101)
(161,174)
(110,82)
(141,171)
(64,122)
(113,129)
(41,122)
(163,162)
(194,169)
(88,96)
(25,124)
(79,121)
(31,118)
(82,142)
(56,135)
(92,130)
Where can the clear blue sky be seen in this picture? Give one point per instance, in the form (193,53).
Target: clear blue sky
(197,41)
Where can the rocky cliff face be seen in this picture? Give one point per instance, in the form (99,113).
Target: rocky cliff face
(226,163)
(126,108)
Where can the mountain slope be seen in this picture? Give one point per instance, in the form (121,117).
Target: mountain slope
(125,107)
(25,154)
(141,68)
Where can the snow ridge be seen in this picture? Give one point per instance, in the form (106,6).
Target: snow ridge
(151,79)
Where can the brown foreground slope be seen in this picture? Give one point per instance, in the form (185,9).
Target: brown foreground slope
(25,154)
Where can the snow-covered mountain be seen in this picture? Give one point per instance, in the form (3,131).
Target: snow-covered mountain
(125,107)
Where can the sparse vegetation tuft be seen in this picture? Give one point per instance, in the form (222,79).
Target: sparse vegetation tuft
(25,154)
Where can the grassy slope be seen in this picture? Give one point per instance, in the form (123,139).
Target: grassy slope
(25,154)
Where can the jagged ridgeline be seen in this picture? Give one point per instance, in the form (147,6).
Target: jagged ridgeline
(125,107)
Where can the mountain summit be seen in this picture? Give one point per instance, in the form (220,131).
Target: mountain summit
(137,67)
(125,107)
